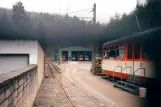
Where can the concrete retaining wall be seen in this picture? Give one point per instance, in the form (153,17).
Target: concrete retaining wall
(41,65)
(19,88)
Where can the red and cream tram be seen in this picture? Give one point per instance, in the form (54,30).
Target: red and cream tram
(130,57)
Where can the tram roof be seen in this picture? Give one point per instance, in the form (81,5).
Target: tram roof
(141,36)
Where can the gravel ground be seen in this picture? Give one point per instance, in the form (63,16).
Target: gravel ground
(100,89)
(106,89)
(76,96)
(50,94)
(71,69)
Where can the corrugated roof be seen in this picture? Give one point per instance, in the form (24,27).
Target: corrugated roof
(141,36)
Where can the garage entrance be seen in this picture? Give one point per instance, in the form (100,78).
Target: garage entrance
(74,56)
(65,55)
(12,62)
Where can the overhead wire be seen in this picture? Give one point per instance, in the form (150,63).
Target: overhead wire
(79,11)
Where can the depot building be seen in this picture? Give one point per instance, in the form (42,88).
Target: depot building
(74,53)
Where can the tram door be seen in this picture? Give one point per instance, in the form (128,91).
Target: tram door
(133,61)
(130,62)
(137,63)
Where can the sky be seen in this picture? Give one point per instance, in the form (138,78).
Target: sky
(105,9)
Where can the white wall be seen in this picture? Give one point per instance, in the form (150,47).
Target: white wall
(20,47)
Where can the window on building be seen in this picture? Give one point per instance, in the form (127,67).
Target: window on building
(146,52)
(137,51)
(129,51)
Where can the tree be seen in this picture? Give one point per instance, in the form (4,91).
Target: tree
(21,20)
(148,16)
(117,16)
(5,26)
(19,16)
(4,22)
(41,35)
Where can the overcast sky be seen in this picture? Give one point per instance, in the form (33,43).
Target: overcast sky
(105,8)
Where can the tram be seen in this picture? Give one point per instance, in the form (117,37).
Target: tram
(131,57)
(86,58)
(80,58)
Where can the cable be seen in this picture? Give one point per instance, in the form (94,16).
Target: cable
(79,11)
(86,17)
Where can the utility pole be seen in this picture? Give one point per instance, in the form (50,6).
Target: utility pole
(94,43)
(94,15)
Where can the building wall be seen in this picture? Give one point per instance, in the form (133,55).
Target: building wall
(20,47)
(69,53)
(40,59)
(36,56)
(73,48)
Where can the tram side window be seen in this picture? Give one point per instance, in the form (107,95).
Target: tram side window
(112,53)
(117,51)
(146,52)
(120,51)
(130,51)
(106,53)
(137,51)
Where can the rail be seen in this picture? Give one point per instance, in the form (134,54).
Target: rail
(74,84)
(60,84)
(138,70)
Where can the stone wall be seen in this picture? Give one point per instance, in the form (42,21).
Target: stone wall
(19,88)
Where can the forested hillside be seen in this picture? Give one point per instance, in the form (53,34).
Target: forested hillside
(148,16)
(53,30)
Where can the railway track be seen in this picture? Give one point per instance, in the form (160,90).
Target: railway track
(60,84)
(57,74)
